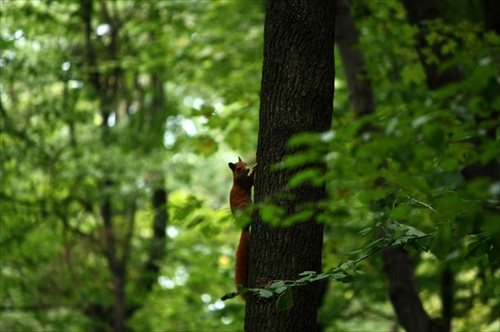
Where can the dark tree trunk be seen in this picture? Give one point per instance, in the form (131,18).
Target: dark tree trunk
(491,14)
(160,197)
(117,264)
(119,305)
(158,243)
(403,292)
(296,96)
(447,297)
(353,62)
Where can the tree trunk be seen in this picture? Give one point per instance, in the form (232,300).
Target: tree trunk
(117,265)
(296,96)
(353,62)
(119,305)
(158,242)
(403,293)
(491,14)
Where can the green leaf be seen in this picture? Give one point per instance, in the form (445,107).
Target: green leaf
(449,90)
(320,277)
(449,164)
(301,216)
(300,159)
(477,249)
(434,136)
(205,145)
(481,76)
(228,296)
(271,213)
(338,276)
(440,245)
(347,265)
(276,284)
(285,301)
(304,139)
(265,293)
(313,175)
(400,212)
(412,231)
(494,254)
(209,230)
(355,252)
(366,231)
(342,277)
(304,279)
(281,289)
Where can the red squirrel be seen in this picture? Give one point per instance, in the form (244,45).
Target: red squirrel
(239,198)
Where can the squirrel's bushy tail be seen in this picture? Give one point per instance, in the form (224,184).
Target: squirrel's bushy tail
(241,265)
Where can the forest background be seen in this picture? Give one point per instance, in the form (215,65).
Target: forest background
(118,119)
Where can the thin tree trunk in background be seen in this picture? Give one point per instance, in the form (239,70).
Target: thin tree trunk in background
(160,196)
(296,97)
(447,297)
(353,62)
(119,280)
(159,199)
(398,266)
(158,242)
(403,293)
(491,15)
(116,264)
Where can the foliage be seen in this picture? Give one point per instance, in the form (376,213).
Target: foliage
(396,234)
(171,112)
(425,145)
(207,56)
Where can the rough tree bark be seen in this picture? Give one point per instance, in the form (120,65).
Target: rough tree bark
(296,96)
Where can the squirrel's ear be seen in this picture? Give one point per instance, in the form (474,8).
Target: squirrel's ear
(231,166)
(239,159)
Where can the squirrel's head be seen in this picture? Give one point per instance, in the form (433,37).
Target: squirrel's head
(240,169)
